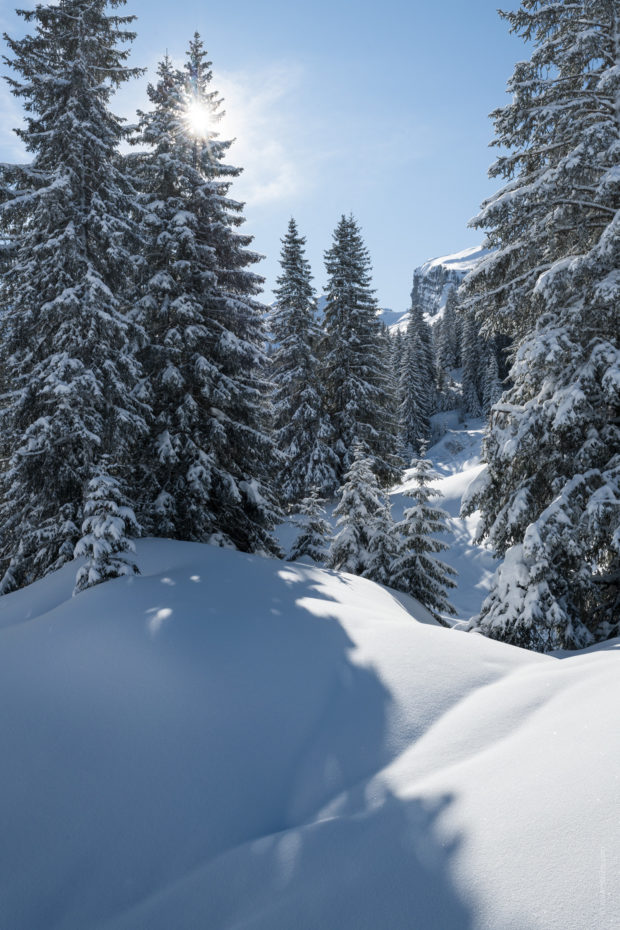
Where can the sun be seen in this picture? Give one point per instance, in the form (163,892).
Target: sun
(198,118)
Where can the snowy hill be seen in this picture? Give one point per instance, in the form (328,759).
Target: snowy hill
(230,741)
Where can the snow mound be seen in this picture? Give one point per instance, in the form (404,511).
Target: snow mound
(228,741)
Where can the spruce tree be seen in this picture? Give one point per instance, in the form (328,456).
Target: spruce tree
(302,430)
(360,503)
(383,545)
(314,529)
(109,524)
(471,354)
(416,386)
(551,493)
(354,366)
(491,385)
(66,341)
(397,355)
(450,354)
(445,340)
(205,471)
(416,570)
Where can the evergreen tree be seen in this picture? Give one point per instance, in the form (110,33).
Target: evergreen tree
(315,531)
(398,351)
(354,369)
(550,495)
(391,398)
(302,428)
(445,339)
(415,388)
(383,545)
(471,353)
(205,471)
(450,352)
(109,522)
(491,386)
(66,342)
(416,570)
(360,503)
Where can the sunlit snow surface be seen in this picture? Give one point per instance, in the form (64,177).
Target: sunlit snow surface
(234,742)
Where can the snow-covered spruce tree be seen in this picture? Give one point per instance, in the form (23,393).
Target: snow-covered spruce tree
(397,354)
(416,570)
(65,339)
(445,341)
(449,352)
(416,386)
(471,356)
(491,385)
(551,493)
(302,429)
(354,371)
(205,471)
(383,545)
(315,531)
(108,527)
(360,504)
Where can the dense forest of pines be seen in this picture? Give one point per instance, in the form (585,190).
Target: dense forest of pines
(148,391)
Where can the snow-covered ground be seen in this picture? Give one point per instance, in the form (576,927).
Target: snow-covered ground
(228,742)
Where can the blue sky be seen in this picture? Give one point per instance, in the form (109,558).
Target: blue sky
(380,109)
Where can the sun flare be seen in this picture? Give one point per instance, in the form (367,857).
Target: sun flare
(199,118)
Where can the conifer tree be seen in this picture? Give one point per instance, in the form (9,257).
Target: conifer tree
(471,366)
(445,339)
(450,353)
(360,503)
(491,386)
(550,494)
(354,367)
(302,429)
(66,341)
(398,349)
(416,385)
(109,524)
(416,570)
(205,471)
(315,531)
(383,546)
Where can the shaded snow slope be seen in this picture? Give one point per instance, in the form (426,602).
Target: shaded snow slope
(232,742)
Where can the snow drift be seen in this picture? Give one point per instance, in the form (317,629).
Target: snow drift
(228,741)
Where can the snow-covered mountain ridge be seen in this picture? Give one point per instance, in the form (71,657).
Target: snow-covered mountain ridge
(433,279)
(231,741)
(432,282)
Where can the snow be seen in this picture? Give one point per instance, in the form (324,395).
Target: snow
(228,741)
(462,262)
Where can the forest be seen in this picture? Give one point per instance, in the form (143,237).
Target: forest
(152,403)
